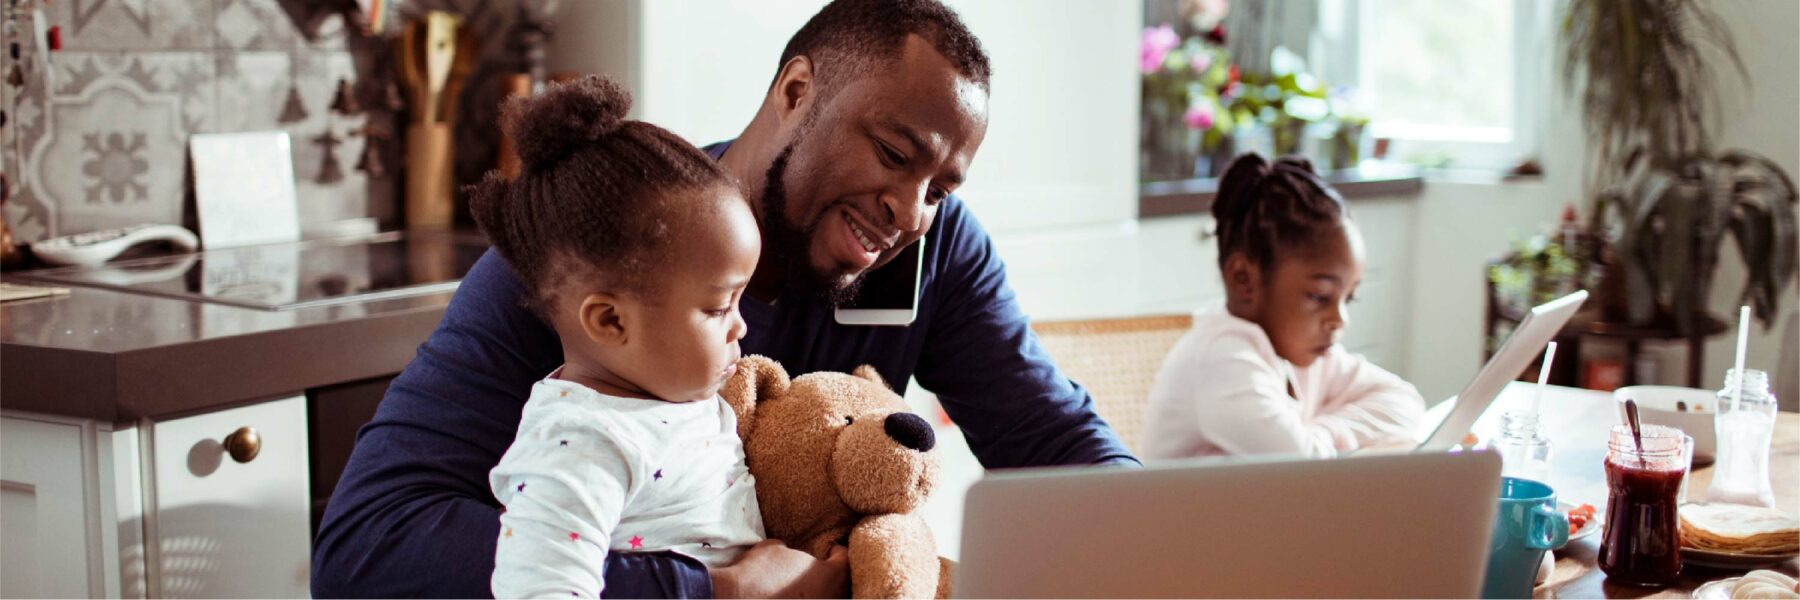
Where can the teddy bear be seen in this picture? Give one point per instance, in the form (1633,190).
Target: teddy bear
(839,460)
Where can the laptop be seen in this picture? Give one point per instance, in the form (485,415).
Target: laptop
(1400,525)
(1523,346)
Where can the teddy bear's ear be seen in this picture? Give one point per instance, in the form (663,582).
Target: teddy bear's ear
(868,372)
(758,379)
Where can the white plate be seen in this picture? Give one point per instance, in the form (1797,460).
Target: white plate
(1593,526)
(1732,560)
(1716,590)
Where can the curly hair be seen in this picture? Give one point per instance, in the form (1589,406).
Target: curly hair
(1263,207)
(850,38)
(595,194)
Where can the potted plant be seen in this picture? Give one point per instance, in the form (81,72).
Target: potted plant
(1188,83)
(1666,199)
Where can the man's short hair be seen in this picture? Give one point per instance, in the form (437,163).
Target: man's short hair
(848,38)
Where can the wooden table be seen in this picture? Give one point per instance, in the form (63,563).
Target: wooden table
(1577,422)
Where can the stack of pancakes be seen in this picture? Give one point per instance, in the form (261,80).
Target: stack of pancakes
(1739,529)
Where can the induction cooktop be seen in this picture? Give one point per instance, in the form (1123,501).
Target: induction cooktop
(289,276)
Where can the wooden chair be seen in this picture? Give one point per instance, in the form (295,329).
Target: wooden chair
(1116,360)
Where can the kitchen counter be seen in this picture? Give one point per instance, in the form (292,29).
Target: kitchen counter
(115,356)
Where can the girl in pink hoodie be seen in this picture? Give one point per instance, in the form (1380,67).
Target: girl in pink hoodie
(1264,374)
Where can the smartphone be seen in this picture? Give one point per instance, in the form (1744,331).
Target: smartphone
(890,294)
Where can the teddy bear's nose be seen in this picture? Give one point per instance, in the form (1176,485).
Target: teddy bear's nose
(910,431)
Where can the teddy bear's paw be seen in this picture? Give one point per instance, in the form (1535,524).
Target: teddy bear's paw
(946,572)
(893,556)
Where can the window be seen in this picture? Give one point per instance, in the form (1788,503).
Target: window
(1459,84)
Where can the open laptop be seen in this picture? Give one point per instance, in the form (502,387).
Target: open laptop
(1523,346)
(1405,525)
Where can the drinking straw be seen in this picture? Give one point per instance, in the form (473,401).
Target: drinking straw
(1543,378)
(1737,387)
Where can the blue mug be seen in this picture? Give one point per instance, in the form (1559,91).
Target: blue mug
(1527,525)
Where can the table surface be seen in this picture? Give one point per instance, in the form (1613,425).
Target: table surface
(1577,422)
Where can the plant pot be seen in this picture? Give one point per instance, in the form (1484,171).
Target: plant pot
(1613,293)
(1288,136)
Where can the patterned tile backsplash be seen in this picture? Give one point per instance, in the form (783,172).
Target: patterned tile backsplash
(99,138)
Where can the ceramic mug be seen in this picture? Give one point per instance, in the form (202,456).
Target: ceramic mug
(1527,525)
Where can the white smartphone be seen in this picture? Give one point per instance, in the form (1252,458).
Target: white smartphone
(889,294)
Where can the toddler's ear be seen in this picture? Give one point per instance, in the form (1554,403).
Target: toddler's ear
(603,319)
(758,379)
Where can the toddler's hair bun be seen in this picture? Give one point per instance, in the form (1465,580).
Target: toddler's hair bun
(551,125)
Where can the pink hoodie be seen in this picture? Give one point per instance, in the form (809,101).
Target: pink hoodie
(1223,391)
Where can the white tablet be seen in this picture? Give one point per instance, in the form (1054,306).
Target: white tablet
(1514,355)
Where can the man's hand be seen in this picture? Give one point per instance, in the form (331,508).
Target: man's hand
(770,569)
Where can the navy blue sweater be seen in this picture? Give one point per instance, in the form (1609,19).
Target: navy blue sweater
(413,516)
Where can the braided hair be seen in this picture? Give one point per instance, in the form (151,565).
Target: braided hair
(1261,207)
(596,195)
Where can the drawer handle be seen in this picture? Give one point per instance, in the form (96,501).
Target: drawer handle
(243,444)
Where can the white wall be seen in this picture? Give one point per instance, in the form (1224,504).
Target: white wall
(1061,148)
(1461,226)
(1763,117)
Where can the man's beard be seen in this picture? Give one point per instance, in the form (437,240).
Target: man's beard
(792,244)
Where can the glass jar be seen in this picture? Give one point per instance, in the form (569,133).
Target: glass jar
(1523,447)
(1741,465)
(1642,541)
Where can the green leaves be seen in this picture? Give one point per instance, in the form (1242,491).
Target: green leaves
(1642,79)
(1676,219)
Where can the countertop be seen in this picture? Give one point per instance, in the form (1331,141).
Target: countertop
(1194,196)
(116,356)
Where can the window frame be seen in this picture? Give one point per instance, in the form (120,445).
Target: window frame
(1533,42)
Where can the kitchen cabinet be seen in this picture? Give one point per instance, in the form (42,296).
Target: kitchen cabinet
(223,528)
(159,507)
(52,510)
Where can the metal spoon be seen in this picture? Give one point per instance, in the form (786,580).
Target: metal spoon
(1631,418)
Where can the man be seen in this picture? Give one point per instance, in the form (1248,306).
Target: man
(874,116)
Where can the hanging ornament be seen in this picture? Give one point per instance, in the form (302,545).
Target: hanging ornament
(329,171)
(393,100)
(371,161)
(294,110)
(344,101)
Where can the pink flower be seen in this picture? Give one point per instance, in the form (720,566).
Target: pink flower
(1200,61)
(1158,41)
(1199,116)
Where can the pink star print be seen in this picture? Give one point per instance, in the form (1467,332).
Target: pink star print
(637,542)
(574,536)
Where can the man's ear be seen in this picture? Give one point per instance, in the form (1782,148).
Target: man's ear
(1243,281)
(794,90)
(604,319)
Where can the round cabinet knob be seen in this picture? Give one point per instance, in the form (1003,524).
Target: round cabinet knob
(243,444)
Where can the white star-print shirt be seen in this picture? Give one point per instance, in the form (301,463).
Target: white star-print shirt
(590,474)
